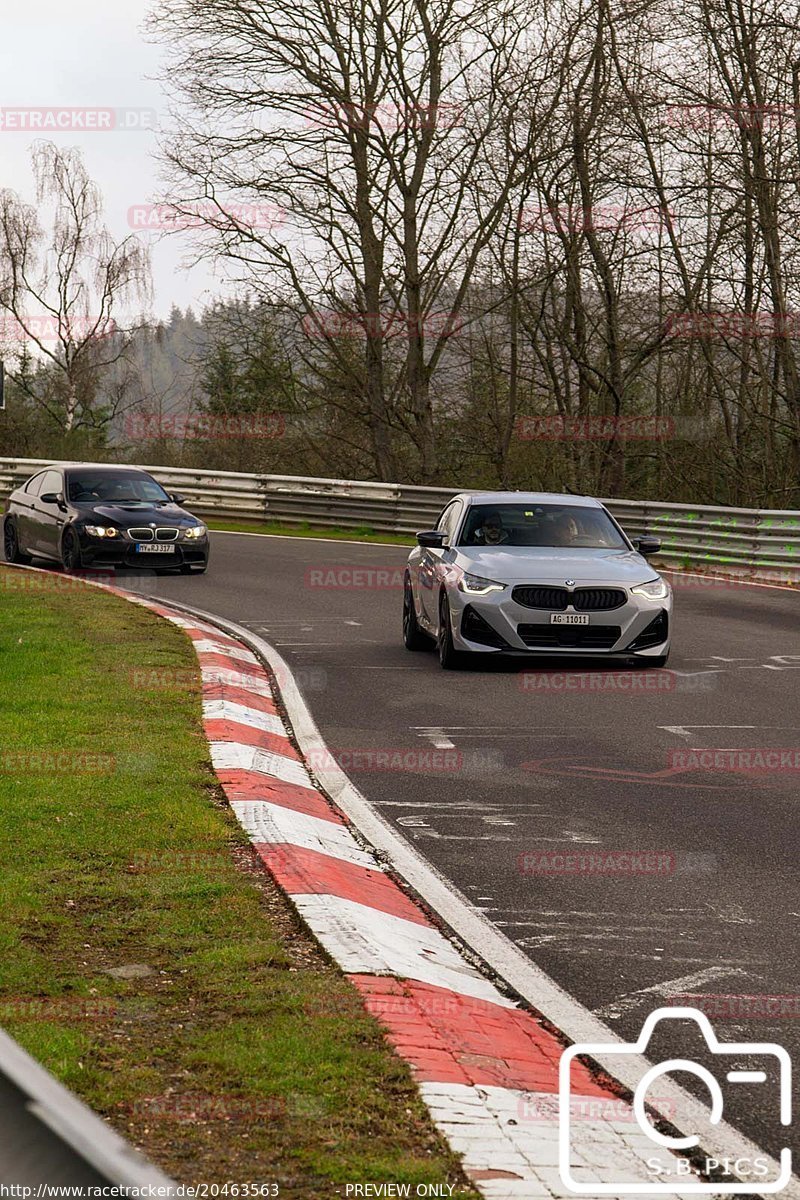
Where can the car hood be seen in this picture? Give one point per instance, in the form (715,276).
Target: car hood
(528,564)
(128,516)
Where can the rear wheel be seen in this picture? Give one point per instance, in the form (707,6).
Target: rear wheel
(11,544)
(450,659)
(413,636)
(71,552)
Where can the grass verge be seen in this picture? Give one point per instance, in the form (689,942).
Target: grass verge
(224,1044)
(361,534)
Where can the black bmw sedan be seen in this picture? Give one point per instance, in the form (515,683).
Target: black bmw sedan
(102,516)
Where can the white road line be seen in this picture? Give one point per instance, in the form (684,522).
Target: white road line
(670,987)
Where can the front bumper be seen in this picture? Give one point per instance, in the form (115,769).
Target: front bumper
(101,552)
(498,624)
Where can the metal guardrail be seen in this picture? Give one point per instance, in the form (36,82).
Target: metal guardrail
(745,541)
(48,1136)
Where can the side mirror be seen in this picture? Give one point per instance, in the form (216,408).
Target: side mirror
(178,498)
(52,498)
(647,544)
(433,538)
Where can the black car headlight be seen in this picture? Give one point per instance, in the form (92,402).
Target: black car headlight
(101,531)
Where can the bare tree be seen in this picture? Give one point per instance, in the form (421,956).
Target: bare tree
(367,125)
(60,290)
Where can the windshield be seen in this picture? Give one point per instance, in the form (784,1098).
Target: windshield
(540,525)
(97,487)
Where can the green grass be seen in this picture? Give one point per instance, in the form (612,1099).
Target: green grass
(362,533)
(242,1053)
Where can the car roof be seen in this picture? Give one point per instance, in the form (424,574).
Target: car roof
(104,466)
(528,498)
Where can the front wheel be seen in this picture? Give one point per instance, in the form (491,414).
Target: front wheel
(11,545)
(450,659)
(71,552)
(413,636)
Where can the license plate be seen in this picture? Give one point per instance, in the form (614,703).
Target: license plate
(569,618)
(154,548)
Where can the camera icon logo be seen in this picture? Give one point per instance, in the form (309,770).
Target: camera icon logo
(675,1173)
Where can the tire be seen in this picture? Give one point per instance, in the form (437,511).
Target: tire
(413,636)
(70,552)
(11,545)
(450,659)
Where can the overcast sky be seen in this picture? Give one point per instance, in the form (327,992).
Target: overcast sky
(92,54)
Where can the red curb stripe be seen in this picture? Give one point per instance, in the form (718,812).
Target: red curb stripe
(301,871)
(247,786)
(227,663)
(246,735)
(202,635)
(450,1038)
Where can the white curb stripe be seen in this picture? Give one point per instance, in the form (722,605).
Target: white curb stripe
(492,1127)
(233,756)
(365,941)
(237,679)
(265,822)
(207,646)
(240,714)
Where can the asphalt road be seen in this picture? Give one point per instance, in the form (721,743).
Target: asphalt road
(526,768)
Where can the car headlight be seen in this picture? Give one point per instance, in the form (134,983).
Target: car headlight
(101,530)
(196,531)
(474,585)
(656,589)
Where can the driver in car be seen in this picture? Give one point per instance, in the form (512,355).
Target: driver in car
(491,531)
(565,530)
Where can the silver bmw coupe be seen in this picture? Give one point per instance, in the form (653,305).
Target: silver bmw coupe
(530,573)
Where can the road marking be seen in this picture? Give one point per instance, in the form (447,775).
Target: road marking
(436,735)
(670,987)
